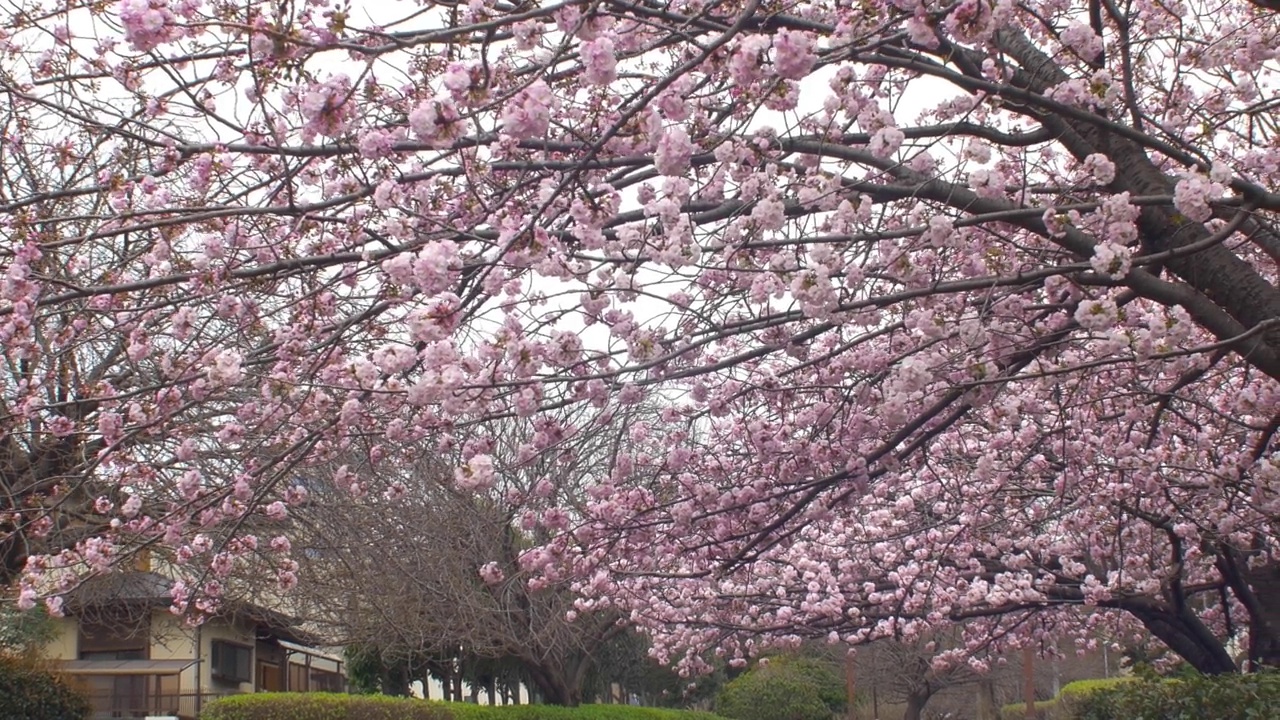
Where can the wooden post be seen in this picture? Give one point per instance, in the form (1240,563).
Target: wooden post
(849,686)
(987,700)
(1029,680)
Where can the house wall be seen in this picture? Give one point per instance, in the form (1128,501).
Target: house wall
(220,629)
(65,644)
(170,640)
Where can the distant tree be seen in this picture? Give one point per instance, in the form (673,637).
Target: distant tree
(912,673)
(24,632)
(936,674)
(29,691)
(625,660)
(436,579)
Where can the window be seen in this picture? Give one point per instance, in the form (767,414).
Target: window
(114,638)
(231,662)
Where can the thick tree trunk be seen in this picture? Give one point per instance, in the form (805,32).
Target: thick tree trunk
(1186,635)
(915,705)
(1232,283)
(395,680)
(446,685)
(27,474)
(491,689)
(555,688)
(1258,589)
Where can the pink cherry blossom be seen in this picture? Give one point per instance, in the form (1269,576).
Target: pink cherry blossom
(886,141)
(491,573)
(529,114)
(326,106)
(1100,168)
(225,368)
(1112,260)
(436,122)
(1192,195)
(746,65)
(147,23)
(793,55)
(673,152)
(599,61)
(476,474)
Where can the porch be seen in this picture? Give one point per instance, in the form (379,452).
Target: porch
(136,688)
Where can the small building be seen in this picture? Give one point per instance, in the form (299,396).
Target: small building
(135,659)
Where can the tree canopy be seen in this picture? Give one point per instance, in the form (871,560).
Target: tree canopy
(955,309)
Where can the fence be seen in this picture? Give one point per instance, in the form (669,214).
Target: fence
(109,706)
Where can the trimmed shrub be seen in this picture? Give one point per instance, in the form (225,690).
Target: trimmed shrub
(778,691)
(332,706)
(824,674)
(322,706)
(1216,697)
(28,692)
(1045,710)
(1081,689)
(1069,703)
(467,711)
(1076,696)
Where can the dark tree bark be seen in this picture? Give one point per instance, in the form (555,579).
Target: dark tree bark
(557,687)
(915,704)
(1185,634)
(1258,589)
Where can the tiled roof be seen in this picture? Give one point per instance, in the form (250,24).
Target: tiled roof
(150,589)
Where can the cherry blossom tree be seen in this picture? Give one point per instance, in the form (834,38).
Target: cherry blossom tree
(957,309)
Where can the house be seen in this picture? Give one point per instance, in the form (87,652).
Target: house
(121,645)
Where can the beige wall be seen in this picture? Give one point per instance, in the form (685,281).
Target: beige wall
(220,629)
(65,644)
(170,640)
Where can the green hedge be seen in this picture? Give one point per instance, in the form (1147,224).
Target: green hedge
(785,689)
(1045,710)
(1222,697)
(1217,697)
(333,706)
(1068,704)
(322,706)
(1079,690)
(467,711)
(28,692)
